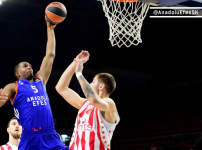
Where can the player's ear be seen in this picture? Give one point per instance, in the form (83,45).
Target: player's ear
(8,130)
(17,74)
(101,86)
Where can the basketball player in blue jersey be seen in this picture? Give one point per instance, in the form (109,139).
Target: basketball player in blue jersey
(31,103)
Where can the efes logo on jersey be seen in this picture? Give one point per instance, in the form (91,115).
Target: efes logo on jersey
(37,100)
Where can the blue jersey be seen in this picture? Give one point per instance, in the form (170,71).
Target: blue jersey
(31,105)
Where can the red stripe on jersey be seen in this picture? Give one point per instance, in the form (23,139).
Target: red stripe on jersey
(82,113)
(102,147)
(77,134)
(72,146)
(83,141)
(78,122)
(77,139)
(92,140)
(1,148)
(90,121)
(9,147)
(92,134)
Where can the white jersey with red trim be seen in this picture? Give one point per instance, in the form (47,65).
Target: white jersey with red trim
(91,130)
(8,146)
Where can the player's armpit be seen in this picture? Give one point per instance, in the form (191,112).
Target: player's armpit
(7,93)
(71,97)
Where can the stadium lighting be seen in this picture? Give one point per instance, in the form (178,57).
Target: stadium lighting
(1,1)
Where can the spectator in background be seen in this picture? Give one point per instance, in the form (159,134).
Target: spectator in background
(14,130)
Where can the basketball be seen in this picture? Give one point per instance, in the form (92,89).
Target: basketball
(55,12)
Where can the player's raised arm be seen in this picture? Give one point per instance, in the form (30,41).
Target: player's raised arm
(7,93)
(47,62)
(62,86)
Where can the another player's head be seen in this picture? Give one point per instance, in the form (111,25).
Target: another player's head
(23,70)
(14,129)
(104,82)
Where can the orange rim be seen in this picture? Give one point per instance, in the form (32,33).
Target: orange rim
(127,0)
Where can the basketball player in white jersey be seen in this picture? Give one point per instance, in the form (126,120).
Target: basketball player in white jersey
(97,116)
(14,130)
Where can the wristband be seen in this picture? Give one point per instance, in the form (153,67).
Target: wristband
(78,74)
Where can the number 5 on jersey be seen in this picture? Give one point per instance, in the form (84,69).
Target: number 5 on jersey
(34,88)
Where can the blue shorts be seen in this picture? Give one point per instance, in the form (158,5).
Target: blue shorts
(47,139)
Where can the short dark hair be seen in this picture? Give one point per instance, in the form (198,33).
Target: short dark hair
(108,80)
(10,121)
(16,69)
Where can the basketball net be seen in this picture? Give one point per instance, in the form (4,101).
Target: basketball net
(125,18)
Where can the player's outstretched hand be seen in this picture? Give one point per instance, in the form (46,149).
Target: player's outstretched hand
(84,56)
(3,97)
(49,25)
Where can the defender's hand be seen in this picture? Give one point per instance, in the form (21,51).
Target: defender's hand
(83,56)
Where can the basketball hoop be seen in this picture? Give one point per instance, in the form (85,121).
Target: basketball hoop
(125,18)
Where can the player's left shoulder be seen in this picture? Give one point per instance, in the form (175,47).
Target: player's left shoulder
(110,102)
